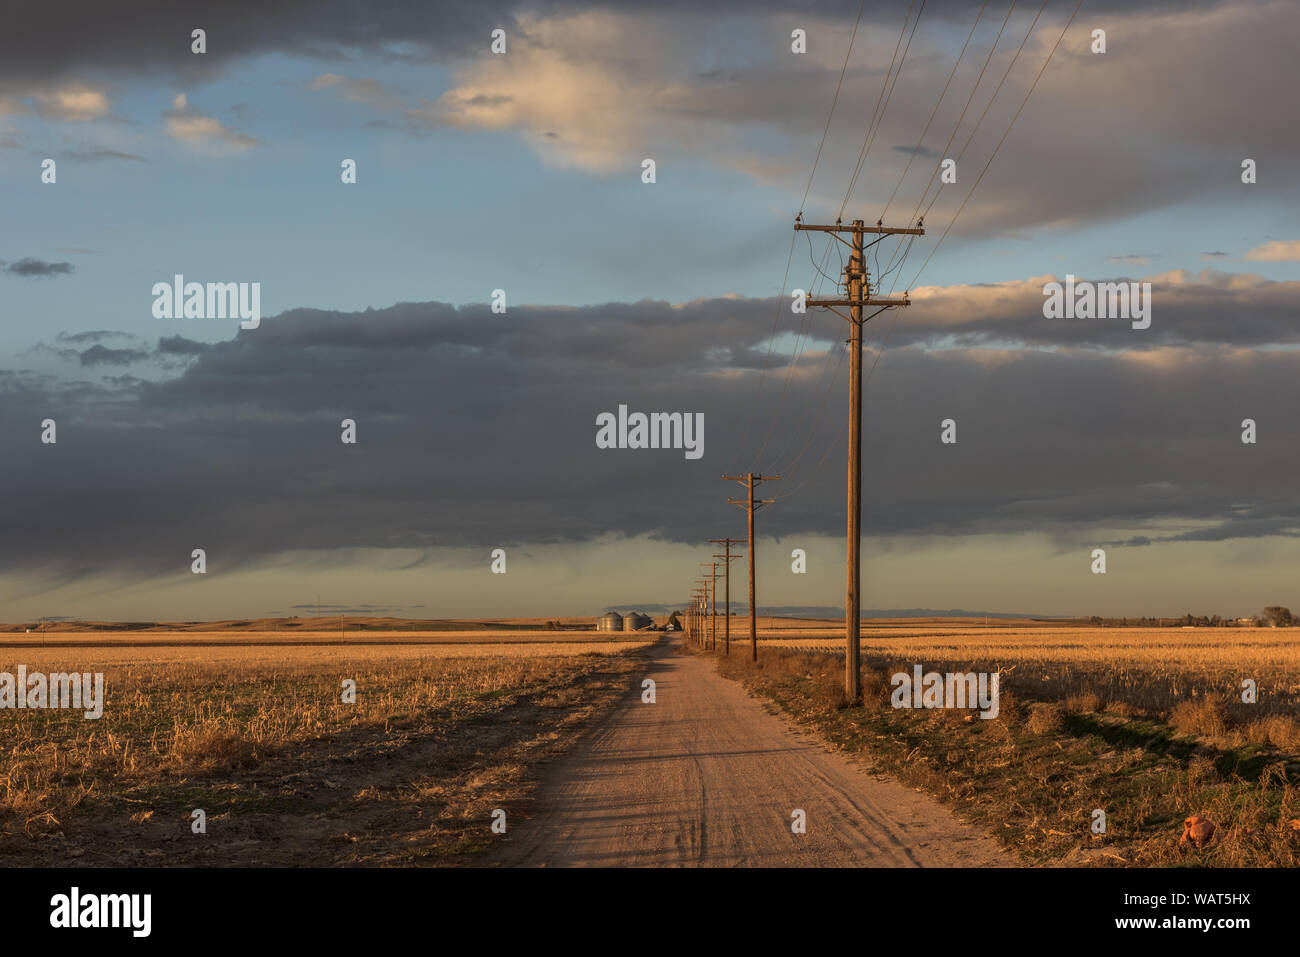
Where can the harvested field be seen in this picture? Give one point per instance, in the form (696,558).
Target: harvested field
(258,736)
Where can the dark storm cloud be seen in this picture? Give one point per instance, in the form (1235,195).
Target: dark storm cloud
(98,355)
(479,430)
(36,267)
(180,346)
(42,42)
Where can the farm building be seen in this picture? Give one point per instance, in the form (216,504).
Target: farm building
(635,621)
(610,621)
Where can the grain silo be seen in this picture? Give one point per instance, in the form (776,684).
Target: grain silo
(635,621)
(610,621)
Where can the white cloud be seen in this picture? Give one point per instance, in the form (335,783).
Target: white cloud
(1280,250)
(602,90)
(72,103)
(186,124)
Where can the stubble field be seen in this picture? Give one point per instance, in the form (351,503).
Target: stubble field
(254,730)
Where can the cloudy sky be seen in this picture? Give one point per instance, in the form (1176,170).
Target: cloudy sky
(522,171)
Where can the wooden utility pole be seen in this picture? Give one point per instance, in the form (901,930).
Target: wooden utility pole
(751,505)
(712,612)
(727,557)
(859,295)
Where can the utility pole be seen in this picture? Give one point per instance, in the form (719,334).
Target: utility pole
(751,505)
(713,620)
(701,607)
(713,611)
(727,557)
(859,295)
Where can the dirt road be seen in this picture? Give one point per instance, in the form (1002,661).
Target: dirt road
(706,777)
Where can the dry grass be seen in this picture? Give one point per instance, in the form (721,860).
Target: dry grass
(1046,717)
(433,736)
(1163,674)
(81,652)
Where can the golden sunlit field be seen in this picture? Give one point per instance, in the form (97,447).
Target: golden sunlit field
(253,729)
(1146,724)
(452,720)
(1151,669)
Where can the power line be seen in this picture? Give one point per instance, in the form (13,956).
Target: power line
(942,94)
(1028,94)
(785,386)
(771,341)
(877,122)
(835,99)
(1010,66)
(978,80)
(727,557)
(751,505)
(790,258)
(830,384)
(979,122)
(866,381)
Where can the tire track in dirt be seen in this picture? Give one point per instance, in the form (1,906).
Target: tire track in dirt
(707,777)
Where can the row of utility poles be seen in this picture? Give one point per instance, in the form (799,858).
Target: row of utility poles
(702,611)
(859,294)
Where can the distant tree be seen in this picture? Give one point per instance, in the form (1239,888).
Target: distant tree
(1278,615)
